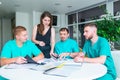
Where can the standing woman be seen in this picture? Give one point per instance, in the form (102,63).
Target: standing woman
(44,35)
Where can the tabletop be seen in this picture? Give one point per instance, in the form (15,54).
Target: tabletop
(64,71)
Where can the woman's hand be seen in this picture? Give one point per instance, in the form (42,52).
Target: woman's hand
(41,43)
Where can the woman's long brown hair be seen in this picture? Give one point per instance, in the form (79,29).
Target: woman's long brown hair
(40,27)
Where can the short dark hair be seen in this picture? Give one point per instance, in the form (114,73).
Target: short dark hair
(64,29)
(90,24)
(18,29)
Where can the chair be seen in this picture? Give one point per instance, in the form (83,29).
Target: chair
(116,58)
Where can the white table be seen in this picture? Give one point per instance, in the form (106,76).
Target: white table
(87,71)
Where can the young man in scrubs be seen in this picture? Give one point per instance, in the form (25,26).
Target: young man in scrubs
(15,50)
(97,50)
(66,46)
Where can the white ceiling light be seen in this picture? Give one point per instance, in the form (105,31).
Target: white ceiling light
(57,4)
(0,3)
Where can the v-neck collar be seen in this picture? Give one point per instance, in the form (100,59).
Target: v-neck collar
(46,32)
(92,45)
(17,44)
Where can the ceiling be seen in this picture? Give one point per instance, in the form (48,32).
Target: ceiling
(9,7)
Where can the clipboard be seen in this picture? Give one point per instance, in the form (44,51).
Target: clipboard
(31,61)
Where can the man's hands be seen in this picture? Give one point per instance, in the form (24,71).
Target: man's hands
(63,55)
(79,57)
(20,60)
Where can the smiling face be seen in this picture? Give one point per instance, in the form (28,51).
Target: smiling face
(46,21)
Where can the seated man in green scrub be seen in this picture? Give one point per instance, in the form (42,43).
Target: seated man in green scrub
(15,50)
(97,50)
(66,46)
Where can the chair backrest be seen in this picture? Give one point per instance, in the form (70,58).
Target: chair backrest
(116,58)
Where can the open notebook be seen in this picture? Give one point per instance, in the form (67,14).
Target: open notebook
(64,69)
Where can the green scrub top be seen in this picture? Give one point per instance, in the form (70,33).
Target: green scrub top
(68,45)
(101,47)
(11,50)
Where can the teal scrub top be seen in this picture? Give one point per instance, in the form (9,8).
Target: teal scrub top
(101,47)
(11,50)
(68,45)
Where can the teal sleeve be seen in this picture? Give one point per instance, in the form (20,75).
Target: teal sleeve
(6,50)
(76,47)
(84,47)
(105,47)
(35,50)
(2,78)
(56,51)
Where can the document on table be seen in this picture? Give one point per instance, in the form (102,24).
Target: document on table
(64,71)
(20,66)
(67,67)
(72,63)
(31,64)
(37,67)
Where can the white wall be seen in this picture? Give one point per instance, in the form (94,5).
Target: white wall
(23,19)
(31,24)
(63,20)
(61,23)
(36,17)
(5,31)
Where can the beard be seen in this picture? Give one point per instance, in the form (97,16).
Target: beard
(63,38)
(90,37)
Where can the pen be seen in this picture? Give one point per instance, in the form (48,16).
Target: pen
(55,75)
(59,66)
(49,69)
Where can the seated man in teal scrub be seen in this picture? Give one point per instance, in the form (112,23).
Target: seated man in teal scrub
(15,50)
(97,50)
(66,46)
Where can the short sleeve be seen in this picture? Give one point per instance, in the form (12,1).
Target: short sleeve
(76,47)
(6,50)
(56,50)
(85,47)
(35,50)
(105,47)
